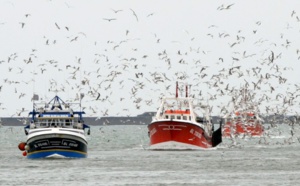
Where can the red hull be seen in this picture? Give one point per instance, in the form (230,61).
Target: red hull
(185,134)
(239,128)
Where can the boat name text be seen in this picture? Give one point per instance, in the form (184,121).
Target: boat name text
(41,144)
(196,133)
(152,131)
(70,144)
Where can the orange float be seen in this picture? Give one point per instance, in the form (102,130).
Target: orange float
(22,146)
(24,153)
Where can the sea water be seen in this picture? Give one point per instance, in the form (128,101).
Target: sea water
(118,155)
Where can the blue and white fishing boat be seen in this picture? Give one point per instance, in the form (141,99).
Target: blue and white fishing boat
(55,131)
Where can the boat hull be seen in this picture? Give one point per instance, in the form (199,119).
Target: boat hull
(177,135)
(250,128)
(56,145)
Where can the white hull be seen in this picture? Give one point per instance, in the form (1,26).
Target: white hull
(56,132)
(56,143)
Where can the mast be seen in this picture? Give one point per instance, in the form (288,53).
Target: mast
(176,89)
(35,97)
(245,99)
(186,91)
(81,97)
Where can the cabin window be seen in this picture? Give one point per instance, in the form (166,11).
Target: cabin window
(43,124)
(178,117)
(190,118)
(59,122)
(172,117)
(52,122)
(67,123)
(184,117)
(200,120)
(167,116)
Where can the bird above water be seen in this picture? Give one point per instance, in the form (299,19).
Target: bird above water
(109,19)
(135,15)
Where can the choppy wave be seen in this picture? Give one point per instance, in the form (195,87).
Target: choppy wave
(118,155)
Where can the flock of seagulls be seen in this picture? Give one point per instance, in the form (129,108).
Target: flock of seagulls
(118,77)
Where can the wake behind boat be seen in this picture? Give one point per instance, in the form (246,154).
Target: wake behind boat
(178,126)
(55,130)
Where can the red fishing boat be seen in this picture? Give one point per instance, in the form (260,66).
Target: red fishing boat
(177,125)
(244,119)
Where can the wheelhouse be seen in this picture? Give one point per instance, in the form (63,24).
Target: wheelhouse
(177,114)
(59,115)
(60,122)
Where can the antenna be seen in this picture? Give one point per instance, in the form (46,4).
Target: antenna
(81,97)
(186,90)
(176,89)
(33,88)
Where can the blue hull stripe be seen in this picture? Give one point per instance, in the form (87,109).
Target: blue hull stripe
(67,154)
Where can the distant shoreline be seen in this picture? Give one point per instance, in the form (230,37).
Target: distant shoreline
(143,119)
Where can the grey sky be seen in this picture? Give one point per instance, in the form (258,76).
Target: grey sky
(71,46)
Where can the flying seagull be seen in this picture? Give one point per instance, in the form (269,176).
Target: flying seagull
(98,96)
(111,19)
(116,11)
(134,15)
(23,24)
(222,7)
(57,25)
(151,14)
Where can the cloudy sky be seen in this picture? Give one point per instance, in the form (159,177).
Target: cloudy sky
(129,54)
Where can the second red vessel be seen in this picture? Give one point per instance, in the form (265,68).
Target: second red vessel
(177,125)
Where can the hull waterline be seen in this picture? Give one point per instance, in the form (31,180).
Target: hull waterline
(56,145)
(175,134)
